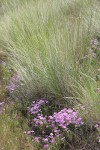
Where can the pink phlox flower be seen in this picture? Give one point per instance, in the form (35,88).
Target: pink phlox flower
(96,126)
(52,140)
(45,146)
(69,110)
(11,87)
(45,139)
(36,139)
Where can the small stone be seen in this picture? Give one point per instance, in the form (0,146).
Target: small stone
(98,90)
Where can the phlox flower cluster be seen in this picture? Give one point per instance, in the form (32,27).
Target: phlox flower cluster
(94,42)
(1,107)
(97,126)
(47,129)
(12,84)
(35,107)
(66,117)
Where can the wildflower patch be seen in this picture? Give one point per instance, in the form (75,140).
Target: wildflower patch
(48,129)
